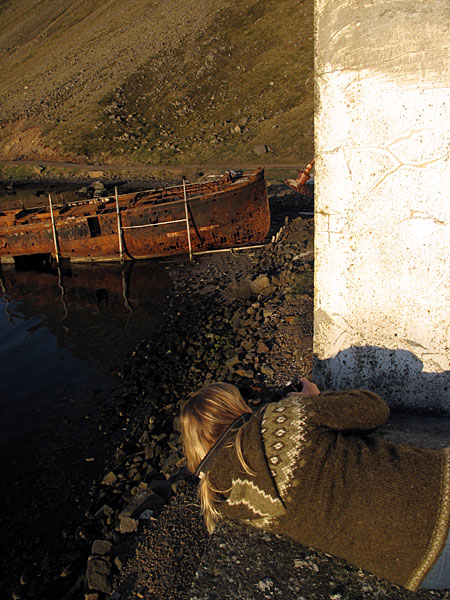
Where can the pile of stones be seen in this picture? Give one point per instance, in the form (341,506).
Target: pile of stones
(223,322)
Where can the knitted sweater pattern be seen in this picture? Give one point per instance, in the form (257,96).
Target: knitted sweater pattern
(316,476)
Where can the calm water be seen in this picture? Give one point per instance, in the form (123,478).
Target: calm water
(60,333)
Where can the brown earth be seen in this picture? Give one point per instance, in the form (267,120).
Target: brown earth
(159,83)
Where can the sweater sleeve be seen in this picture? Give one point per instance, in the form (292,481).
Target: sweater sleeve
(349,410)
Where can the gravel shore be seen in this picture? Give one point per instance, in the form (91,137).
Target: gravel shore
(243,316)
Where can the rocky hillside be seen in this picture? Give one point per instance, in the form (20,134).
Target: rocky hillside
(155,82)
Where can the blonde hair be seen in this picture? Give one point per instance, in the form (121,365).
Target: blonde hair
(204,418)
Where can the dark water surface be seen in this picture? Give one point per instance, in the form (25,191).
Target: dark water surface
(63,337)
(61,333)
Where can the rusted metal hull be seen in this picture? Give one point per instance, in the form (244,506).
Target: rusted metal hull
(225,213)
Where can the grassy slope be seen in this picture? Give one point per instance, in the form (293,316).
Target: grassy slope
(152,81)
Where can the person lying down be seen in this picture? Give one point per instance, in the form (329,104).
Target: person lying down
(305,467)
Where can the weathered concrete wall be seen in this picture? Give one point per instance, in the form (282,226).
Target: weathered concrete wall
(382,122)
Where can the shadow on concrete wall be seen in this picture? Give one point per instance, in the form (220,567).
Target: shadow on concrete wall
(396,375)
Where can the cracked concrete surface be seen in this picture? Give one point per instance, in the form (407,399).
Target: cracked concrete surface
(382,208)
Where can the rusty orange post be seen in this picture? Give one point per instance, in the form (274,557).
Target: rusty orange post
(303,176)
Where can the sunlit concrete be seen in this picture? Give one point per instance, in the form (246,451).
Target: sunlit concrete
(382,290)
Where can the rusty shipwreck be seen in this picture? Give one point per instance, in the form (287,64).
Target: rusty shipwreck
(230,211)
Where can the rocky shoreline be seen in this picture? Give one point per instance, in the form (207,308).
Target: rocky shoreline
(243,316)
(232,317)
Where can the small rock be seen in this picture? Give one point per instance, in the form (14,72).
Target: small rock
(133,474)
(265,584)
(249,374)
(66,571)
(248,344)
(109,479)
(163,488)
(262,348)
(240,289)
(260,150)
(128,525)
(236,319)
(101,547)
(119,454)
(155,503)
(149,451)
(234,360)
(144,440)
(267,370)
(261,285)
(98,574)
(104,511)
(98,185)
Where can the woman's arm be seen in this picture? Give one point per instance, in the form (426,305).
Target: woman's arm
(349,410)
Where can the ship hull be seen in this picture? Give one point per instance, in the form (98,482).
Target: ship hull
(229,212)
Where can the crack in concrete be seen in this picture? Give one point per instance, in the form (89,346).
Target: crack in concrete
(412,343)
(417,214)
(399,165)
(404,138)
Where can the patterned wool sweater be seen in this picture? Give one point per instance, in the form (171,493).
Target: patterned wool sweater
(320,479)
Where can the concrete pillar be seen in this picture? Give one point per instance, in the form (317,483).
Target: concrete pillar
(382,122)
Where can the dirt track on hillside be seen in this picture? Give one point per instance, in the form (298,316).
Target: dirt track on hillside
(143,168)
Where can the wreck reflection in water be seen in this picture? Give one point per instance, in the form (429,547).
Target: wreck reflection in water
(62,330)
